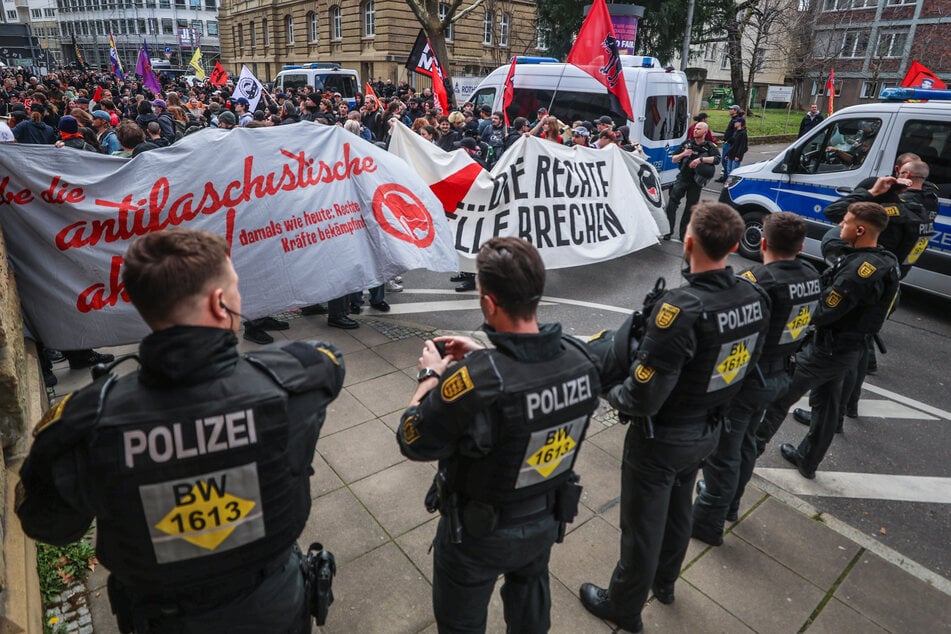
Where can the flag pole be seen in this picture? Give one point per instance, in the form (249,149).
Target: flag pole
(557,85)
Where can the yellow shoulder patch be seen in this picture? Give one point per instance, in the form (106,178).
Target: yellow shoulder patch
(52,415)
(457,384)
(597,336)
(329,354)
(748,275)
(643,374)
(666,315)
(409,430)
(866,270)
(892,210)
(833,299)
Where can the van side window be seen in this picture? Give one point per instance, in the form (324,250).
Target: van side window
(930,140)
(845,145)
(569,106)
(346,85)
(484,97)
(665,117)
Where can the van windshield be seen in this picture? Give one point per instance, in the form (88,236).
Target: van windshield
(840,147)
(569,106)
(665,117)
(484,97)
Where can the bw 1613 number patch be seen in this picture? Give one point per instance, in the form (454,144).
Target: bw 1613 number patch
(211,512)
(550,452)
(797,321)
(732,362)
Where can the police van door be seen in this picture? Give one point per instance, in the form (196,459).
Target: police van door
(827,164)
(663,115)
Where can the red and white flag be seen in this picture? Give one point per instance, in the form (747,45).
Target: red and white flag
(422,59)
(597,52)
(920,76)
(830,89)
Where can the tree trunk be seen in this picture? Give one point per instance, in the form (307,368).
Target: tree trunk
(735,54)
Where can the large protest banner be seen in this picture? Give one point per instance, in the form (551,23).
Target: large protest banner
(311,212)
(576,205)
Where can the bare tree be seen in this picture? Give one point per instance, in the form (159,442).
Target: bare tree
(435,27)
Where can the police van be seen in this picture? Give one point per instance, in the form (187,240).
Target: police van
(827,163)
(321,77)
(658,100)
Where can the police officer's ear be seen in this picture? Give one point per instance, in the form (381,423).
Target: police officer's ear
(860,230)
(762,245)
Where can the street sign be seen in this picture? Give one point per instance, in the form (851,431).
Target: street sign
(781,94)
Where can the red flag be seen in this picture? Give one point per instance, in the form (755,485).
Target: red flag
(422,59)
(919,76)
(509,91)
(219,76)
(597,52)
(370,92)
(96,96)
(830,88)
(439,91)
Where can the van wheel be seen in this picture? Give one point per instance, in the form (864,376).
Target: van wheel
(752,235)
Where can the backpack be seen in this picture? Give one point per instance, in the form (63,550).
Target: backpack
(179,130)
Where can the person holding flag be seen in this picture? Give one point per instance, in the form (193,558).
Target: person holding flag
(196,64)
(143,68)
(830,89)
(114,58)
(219,76)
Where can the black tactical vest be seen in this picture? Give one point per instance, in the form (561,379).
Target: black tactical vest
(909,228)
(794,289)
(196,484)
(538,424)
(729,326)
(874,274)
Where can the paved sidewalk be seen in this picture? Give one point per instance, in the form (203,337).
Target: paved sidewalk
(779,570)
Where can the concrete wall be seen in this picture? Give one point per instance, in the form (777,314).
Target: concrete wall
(22,401)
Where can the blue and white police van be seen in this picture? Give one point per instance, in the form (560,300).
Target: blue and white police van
(321,77)
(658,99)
(810,173)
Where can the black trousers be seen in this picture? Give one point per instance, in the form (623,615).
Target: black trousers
(820,369)
(464,577)
(657,478)
(729,468)
(682,187)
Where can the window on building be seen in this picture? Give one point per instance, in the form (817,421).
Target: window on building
(151,25)
(854,44)
(210,5)
(725,62)
(167,28)
(336,24)
(149,4)
(165,4)
(212,27)
(180,4)
(240,38)
(36,13)
(836,5)
(543,36)
(253,33)
(50,13)
(869,90)
(198,27)
(312,32)
(488,27)
(897,2)
(289,28)
(710,52)
(864,4)
(892,43)
(443,11)
(141,27)
(369,19)
(505,21)
(11,15)
(266,32)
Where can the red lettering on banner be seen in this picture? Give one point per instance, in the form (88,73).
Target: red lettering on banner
(138,217)
(22,197)
(96,296)
(64,195)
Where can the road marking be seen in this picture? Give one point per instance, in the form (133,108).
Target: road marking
(869,486)
(431,307)
(879,409)
(907,401)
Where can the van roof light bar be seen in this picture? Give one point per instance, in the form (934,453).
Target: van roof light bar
(904,94)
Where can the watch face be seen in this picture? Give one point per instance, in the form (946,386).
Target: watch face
(425,373)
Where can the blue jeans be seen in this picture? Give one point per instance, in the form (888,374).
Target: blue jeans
(726,164)
(377,294)
(729,165)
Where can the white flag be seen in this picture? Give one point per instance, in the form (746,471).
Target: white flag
(249,87)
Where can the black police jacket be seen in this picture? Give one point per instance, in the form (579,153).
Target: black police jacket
(859,291)
(507,422)
(700,341)
(196,468)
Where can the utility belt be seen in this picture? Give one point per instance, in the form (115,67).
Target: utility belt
(776,365)
(836,339)
(478,519)
(141,613)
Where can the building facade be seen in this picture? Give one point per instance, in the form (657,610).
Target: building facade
(372,36)
(72,29)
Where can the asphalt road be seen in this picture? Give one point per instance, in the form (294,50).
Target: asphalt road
(888,475)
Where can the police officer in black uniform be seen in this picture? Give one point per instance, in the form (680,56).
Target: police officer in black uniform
(793,287)
(700,342)
(196,467)
(697,158)
(911,202)
(859,290)
(506,425)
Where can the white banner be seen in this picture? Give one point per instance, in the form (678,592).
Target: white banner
(311,212)
(576,205)
(249,87)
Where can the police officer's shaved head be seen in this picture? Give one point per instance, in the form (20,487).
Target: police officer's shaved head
(164,269)
(784,232)
(717,227)
(512,272)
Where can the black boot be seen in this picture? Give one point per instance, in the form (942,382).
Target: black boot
(597,601)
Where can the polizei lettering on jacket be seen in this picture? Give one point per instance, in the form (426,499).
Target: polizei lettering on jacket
(740,316)
(162,443)
(809,288)
(557,397)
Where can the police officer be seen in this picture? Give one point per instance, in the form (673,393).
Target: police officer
(700,342)
(793,287)
(911,202)
(506,425)
(196,467)
(696,156)
(858,292)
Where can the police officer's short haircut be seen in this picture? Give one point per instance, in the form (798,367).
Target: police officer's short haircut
(869,213)
(717,227)
(512,272)
(784,232)
(164,268)
(916,168)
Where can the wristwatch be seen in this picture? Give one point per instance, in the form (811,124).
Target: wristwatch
(425,373)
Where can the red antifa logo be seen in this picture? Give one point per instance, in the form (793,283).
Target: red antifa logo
(403,215)
(612,69)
